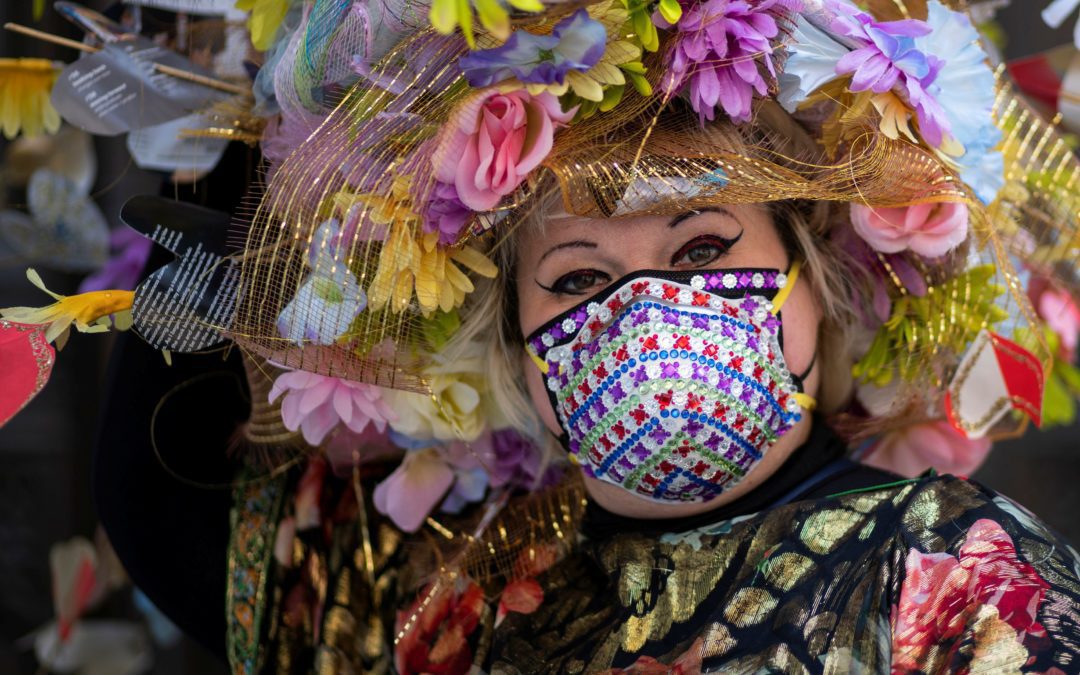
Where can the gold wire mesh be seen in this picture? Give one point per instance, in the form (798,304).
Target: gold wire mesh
(370,161)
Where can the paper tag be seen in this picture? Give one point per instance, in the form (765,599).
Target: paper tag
(117,89)
(995,377)
(184,306)
(187,6)
(94,23)
(162,148)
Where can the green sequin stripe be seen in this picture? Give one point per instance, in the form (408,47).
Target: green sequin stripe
(634,477)
(700,333)
(693,386)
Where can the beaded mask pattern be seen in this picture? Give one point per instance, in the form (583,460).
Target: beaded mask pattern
(673,385)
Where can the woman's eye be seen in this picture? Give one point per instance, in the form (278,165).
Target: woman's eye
(701,251)
(579,282)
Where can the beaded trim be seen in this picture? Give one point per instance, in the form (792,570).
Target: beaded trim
(706,289)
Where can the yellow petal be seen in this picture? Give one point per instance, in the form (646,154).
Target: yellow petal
(476,261)
(427,290)
(403,290)
(458,279)
(446,298)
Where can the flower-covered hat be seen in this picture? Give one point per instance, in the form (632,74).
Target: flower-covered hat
(406,145)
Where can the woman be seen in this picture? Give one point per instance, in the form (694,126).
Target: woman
(570,312)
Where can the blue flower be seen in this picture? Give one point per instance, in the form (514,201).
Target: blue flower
(969,83)
(576,43)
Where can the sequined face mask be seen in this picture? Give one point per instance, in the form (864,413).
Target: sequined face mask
(673,385)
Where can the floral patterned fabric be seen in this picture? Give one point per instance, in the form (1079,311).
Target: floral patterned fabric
(933,575)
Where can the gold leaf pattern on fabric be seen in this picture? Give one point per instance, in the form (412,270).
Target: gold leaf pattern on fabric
(718,641)
(996,649)
(823,531)
(818,630)
(867,503)
(787,569)
(793,612)
(664,586)
(749,606)
(749,595)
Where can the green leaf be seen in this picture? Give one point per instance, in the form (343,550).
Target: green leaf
(1070,375)
(612,96)
(1059,407)
(640,83)
(671,10)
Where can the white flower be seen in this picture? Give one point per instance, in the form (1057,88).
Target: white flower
(811,63)
(454,410)
(329,299)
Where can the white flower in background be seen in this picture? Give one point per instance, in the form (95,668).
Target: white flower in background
(329,299)
(1056,12)
(453,411)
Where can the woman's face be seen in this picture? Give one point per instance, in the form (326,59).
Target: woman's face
(572,258)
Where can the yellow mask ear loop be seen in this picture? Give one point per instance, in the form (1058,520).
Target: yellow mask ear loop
(783,293)
(805,401)
(539,362)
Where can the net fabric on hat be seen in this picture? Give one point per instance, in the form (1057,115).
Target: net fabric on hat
(368,165)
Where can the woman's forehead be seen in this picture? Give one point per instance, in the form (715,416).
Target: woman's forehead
(559,223)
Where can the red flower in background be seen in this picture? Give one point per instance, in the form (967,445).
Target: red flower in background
(437,639)
(944,596)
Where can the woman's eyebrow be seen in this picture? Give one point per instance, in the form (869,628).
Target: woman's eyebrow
(677,220)
(577,243)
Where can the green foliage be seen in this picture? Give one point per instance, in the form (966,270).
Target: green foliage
(439,328)
(965,305)
(640,21)
(1062,382)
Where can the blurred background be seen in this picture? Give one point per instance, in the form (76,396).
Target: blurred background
(45,452)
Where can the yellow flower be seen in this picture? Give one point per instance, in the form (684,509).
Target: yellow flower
(408,265)
(446,15)
(88,311)
(264,21)
(25,85)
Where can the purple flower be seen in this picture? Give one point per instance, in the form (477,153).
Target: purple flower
(716,49)
(669,369)
(122,271)
(518,462)
(445,213)
(887,58)
(576,43)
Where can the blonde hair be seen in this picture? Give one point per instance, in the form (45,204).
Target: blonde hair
(490,316)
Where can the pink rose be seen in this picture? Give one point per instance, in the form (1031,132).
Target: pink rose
(912,450)
(931,230)
(494,141)
(1062,315)
(941,597)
